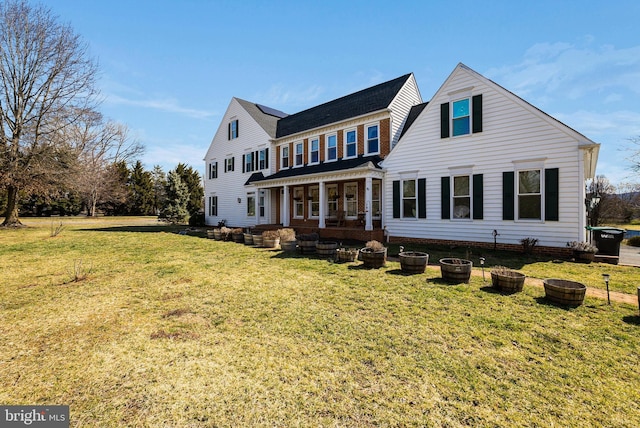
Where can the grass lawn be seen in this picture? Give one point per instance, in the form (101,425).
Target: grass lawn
(134,325)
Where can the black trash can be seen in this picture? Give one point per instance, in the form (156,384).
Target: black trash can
(608,240)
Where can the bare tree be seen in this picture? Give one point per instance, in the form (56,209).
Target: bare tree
(46,80)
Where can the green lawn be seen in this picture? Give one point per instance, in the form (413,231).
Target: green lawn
(162,329)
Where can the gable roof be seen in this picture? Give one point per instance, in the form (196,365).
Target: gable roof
(368,100)
(264,116)
(412,116)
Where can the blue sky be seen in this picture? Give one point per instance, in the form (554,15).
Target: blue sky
(170,68)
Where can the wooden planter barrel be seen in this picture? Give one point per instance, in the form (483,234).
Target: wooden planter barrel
(217,234)
(248,239)
(288,246)
(563,292)
(373,259)
(344,255)
(210,233)
(326,249)
(508,282)
(307,247)
(456,270)
(238,237)
(583,256)
(270,242)
(413,261)
(257,240)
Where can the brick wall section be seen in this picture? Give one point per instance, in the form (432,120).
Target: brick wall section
(559,252)
(385,137)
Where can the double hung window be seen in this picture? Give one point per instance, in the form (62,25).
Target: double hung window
(314,151)
(351,199)
(350,144)
(299,153)
(409,202)
(373,140)
(285,156)
(332,147)
(529,194)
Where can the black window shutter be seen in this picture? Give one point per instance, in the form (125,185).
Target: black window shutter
(478,203)
(237,129)
(444,120)
(229,131)
(422,198)
(225,165)
(476,108)
(255,160)
(508,183)
(243,163)
(215,171)
(266,157)
(396,199)
(551,194)
(445,198)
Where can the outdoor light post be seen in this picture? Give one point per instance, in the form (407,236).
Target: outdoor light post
(606,277)
(482,265)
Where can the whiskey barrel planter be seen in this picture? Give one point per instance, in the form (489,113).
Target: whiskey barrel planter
(563,292)
(307,247)
(508,282)
(344,255)
(326,249)
(413,261)
(217,234)
(270,242)
(257,240)
(248,239)
(373,259)
(583,256)
(456,270)
(210,233)
(238,237)
(288,246)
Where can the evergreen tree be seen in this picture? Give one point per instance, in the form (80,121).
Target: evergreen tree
(193,181)
(141,194)
(159,188)
(177,199)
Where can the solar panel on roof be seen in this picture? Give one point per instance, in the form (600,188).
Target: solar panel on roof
(271,111)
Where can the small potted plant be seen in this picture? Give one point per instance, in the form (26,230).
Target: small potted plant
(270,238)
(346,254)
(583,252)
(507,280)
(374,254)
(287,239)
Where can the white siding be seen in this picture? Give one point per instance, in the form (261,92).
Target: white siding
(230,186)
(408,96)
(512,131)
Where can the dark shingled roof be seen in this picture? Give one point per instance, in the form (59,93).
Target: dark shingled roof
(266,117)
(412,116)
(323,167)
(368,100)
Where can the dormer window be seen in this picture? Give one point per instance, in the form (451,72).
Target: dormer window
(461,117)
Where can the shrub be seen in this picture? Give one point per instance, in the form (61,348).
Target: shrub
(528,244)
(197,220)
(582,246)
(270,234)
(634,241)
(287,234)
(374,245)
(308,237)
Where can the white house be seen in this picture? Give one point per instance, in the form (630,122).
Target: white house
(475,165)
(479,163)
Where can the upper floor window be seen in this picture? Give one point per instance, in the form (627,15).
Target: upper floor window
(529,194)
(229,164)
(314,150)
(233,129)
(213,205)
(248,162)
(373,140)
(332,147)
(350,144)
(299,152)
(262,159)
(213,170)
(461,117)
(285,156)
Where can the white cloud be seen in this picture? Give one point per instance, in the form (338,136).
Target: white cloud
(285,97)
(165,105)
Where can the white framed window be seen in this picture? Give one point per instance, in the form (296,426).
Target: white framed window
(229,164)
(314,151)
(299,153)
(332,148)
(332,199)
(213,205)
(261,201)
(461,197)
(372,145)
(375,198)
(284,163)
(409,199)
(314,201)
(262,159)
(461,117)
(530,194)
(351,199)
(298,202)
(248,162)
(213,170)
(233,129)
(350,143)
(251,204)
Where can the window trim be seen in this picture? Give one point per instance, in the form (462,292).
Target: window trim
(330,202)
(377,183)
(283,157)
(213,206)
(313,191)
(295,154)
(469,196)
(366,133)
(248,162)
(345,153)
(414,198)
(468,116)
(248,212)
(298,200)
(310,160)
(346,200)
(213,170)
(233,129)
(541,195)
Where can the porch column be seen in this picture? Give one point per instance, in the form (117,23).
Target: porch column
(368,195)
(321,195)
(285,206)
